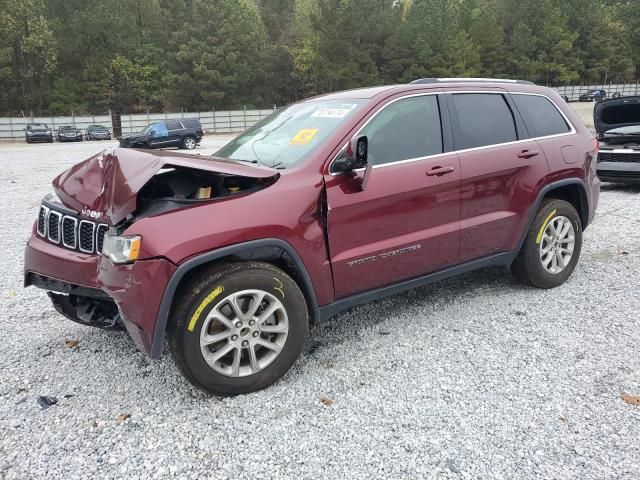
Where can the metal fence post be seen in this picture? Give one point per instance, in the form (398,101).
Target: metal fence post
(244,115)
(213,112)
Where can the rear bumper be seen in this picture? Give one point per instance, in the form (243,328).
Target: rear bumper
(136,289)
(619,172)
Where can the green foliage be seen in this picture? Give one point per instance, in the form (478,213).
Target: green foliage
(60,56)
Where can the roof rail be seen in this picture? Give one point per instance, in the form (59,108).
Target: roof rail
(463,80)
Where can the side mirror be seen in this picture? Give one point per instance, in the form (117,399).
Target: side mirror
(352,156)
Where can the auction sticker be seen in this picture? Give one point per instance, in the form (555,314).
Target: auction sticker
(304,136)
(330,112)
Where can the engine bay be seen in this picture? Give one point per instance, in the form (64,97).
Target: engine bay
(176,187)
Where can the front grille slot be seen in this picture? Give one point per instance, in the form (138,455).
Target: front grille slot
(86,233)
(53,226)
(70,232)
(100,232)
(43,214)
(606,156)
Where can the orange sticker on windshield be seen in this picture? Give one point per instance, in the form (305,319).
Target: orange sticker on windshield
(304,136)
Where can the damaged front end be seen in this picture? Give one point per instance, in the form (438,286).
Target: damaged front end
(98,200)
(86,306)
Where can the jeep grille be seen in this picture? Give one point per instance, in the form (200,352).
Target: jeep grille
(70,232)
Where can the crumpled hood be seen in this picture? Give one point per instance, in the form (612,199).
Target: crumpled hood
(616,113)
(107,183)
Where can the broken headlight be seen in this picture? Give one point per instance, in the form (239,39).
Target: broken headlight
(121,249)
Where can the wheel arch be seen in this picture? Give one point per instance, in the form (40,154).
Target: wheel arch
(270,250)
(571,190)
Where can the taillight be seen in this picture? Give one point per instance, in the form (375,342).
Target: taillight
(596,146)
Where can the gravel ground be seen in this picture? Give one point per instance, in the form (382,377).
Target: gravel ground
(472,377)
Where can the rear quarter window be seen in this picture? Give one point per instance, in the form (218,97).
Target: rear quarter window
(484,119)
(540,116)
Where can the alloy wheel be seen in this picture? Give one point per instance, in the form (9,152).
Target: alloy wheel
(244,333)
(557,244)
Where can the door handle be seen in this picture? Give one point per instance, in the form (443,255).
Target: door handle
(437,171)
(528,153)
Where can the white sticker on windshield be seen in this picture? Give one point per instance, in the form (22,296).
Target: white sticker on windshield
(330,112)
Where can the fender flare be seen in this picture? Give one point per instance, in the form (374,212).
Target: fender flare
(184,268)
(543,192)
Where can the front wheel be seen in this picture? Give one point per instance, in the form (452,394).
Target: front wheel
(552,246)
(238,328)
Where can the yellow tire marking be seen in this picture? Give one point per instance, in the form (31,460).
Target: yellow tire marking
(280,287)
(544,226)
(208,299)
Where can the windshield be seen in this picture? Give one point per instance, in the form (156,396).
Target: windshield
(285,137)
(37,126)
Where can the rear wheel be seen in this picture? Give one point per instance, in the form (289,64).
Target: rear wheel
(238,328)
(552,246)
(189,143)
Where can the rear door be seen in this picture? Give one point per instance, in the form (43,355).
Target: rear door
(500,169)
(406,222)
(175,130)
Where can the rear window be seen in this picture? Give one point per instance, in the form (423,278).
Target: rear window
(173,125)
(484,119)
(540,115)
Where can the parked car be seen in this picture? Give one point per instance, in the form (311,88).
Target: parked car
(327,203)
(617,122)
(97,132)
(38,132)
(67,133)
(184,133)
(593,96)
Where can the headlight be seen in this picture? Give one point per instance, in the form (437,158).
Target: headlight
(29,132)
(49,132)
(121,249)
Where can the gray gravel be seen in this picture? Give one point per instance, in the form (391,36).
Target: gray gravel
(473,377)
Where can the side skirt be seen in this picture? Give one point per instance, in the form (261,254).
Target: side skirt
(501,259)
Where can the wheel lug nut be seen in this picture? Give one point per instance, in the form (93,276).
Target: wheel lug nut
(238,324)
(234,338)
(245,343)
(252,323)
(255,334)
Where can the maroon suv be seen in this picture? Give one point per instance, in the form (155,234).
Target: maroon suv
(330,202)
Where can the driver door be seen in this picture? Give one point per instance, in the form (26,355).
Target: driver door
(406,223)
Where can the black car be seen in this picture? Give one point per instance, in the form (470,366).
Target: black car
(38,132)
(593,96)
(67,133)
(183,133)
(97,132)
(617,122)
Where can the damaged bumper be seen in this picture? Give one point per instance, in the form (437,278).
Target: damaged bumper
(90,290)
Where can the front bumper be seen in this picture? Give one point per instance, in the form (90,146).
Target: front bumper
(40,138)
(136,289)
(619,172)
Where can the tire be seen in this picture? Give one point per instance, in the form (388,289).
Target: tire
(528,266)
(213,289)
(189,143)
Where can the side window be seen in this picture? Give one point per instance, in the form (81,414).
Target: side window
(484,119)
(407,128)
(174,125)
(541,117)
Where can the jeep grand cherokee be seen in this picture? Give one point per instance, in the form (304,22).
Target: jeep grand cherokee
(327,203)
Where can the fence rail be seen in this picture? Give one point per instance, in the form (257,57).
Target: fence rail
(213,121)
